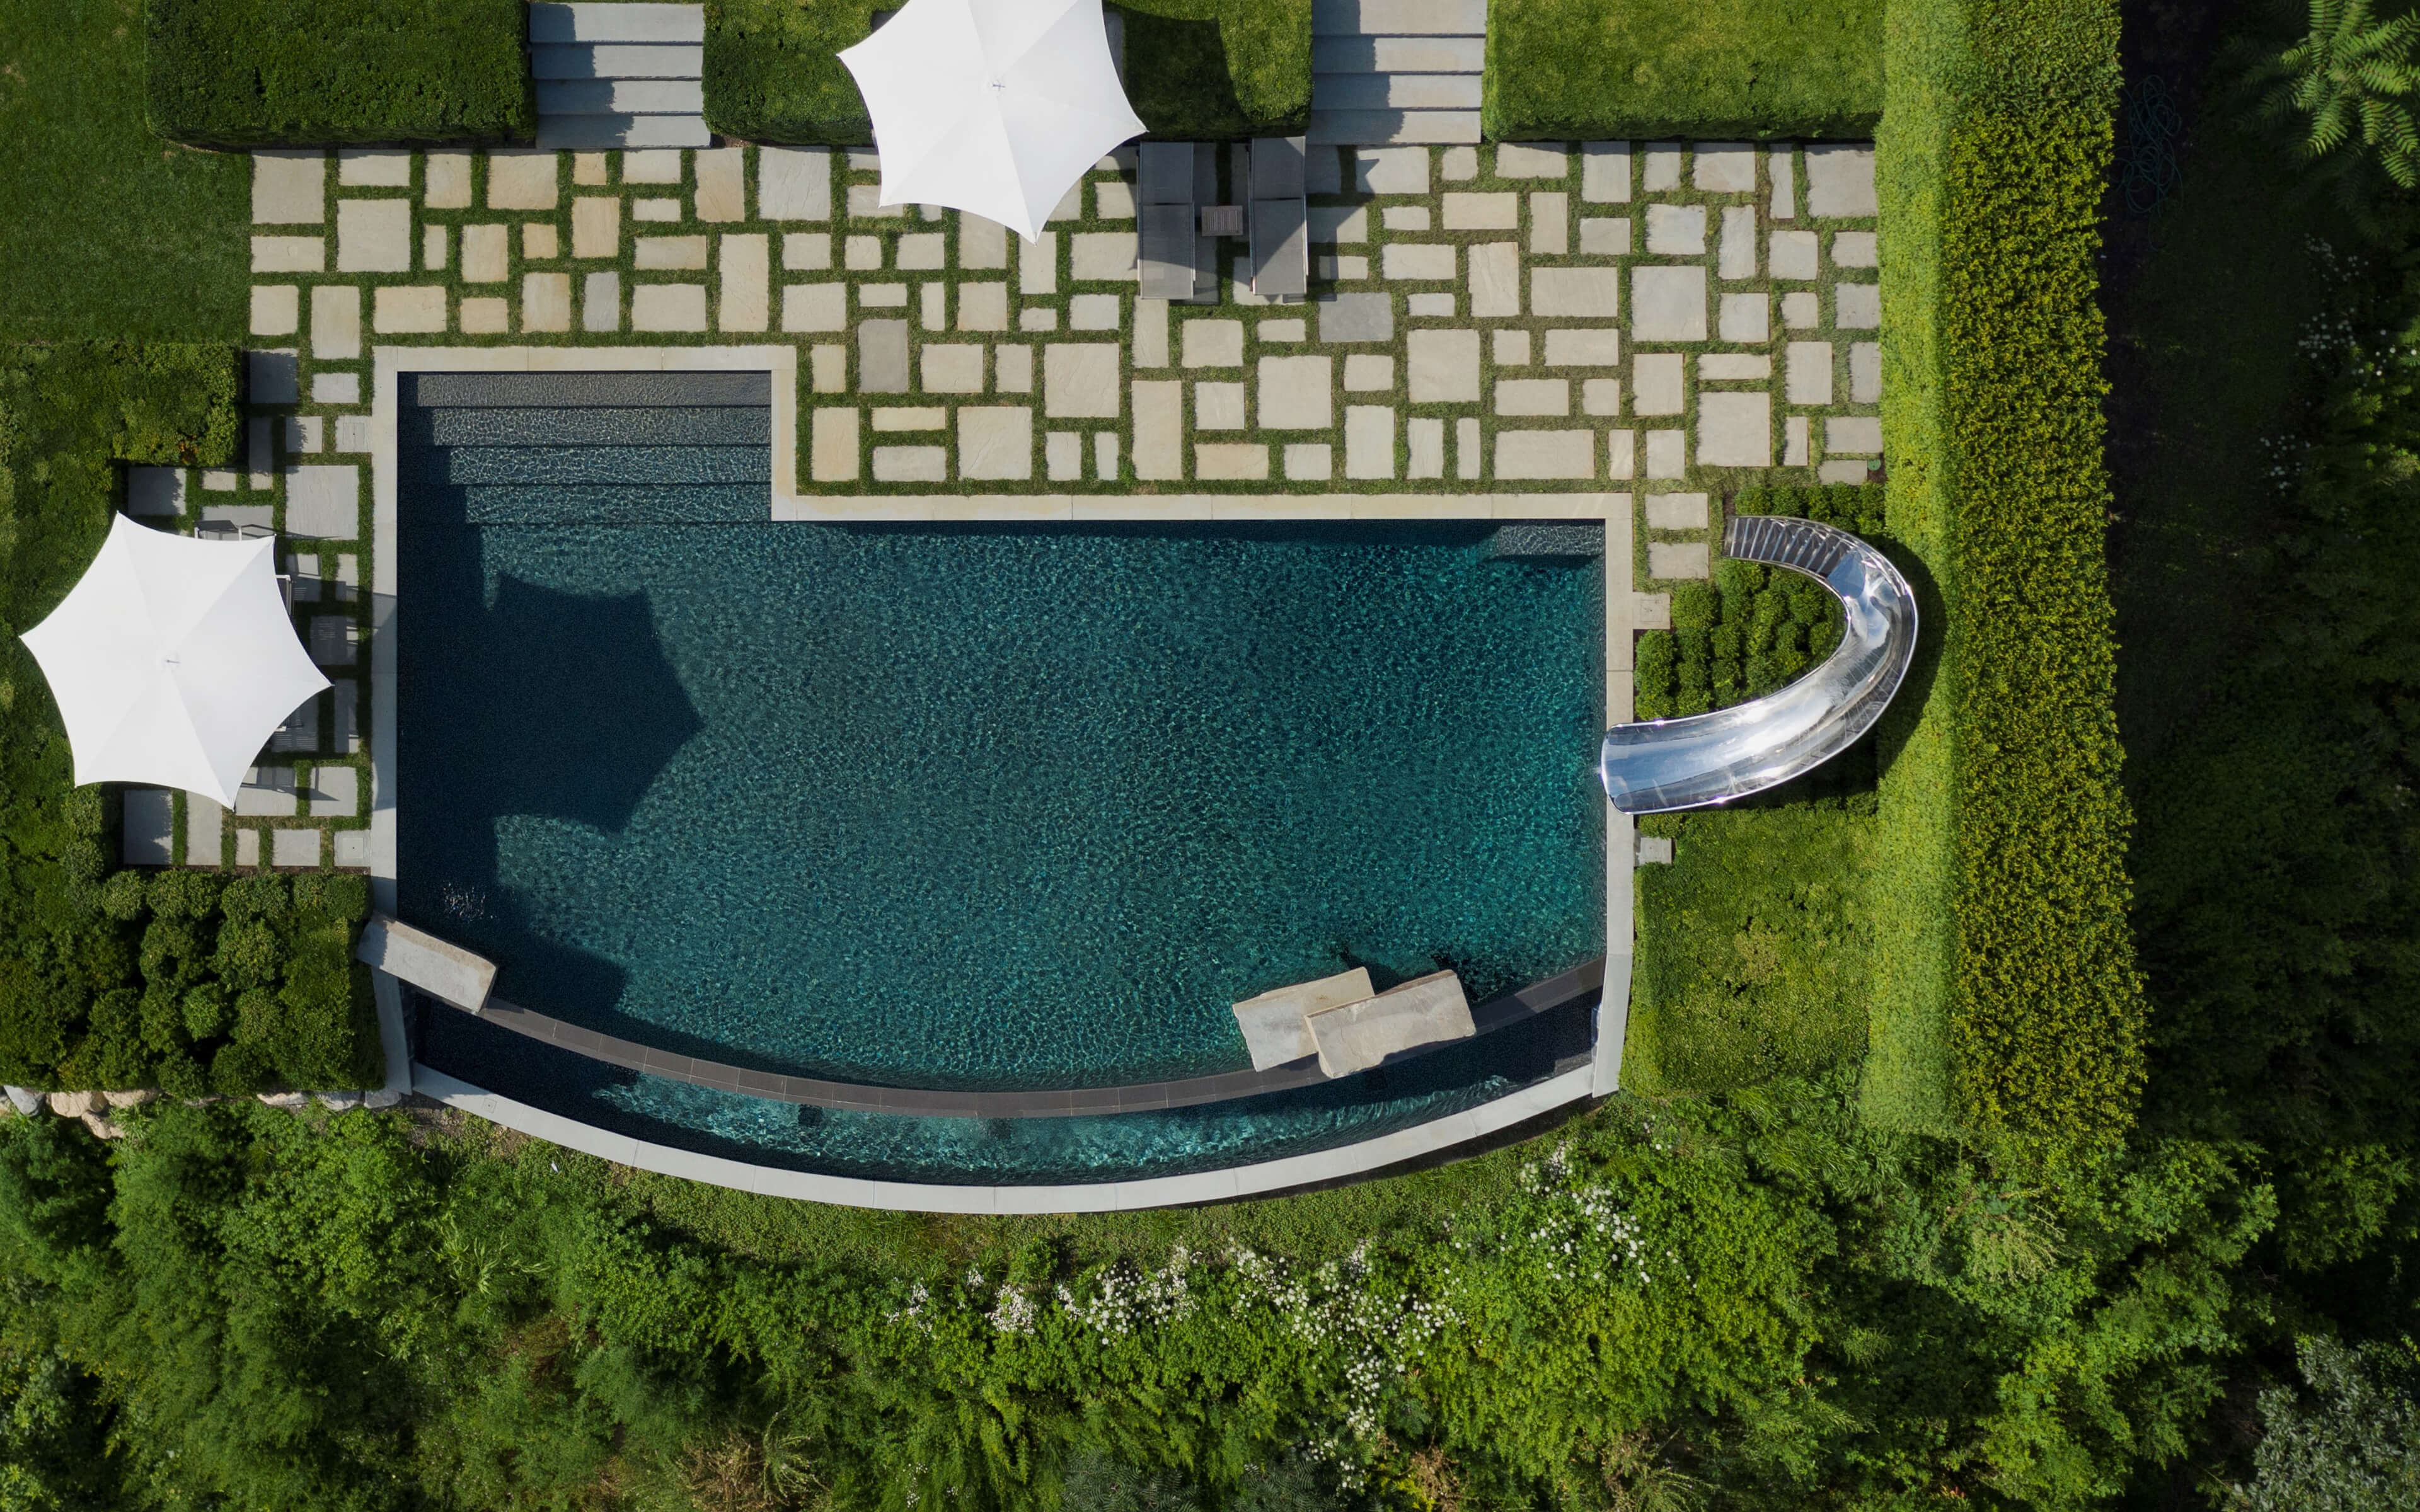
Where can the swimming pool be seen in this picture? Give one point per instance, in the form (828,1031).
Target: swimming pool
(958,807)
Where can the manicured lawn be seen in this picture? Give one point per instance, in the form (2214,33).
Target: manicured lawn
(1195,67)
(105,230)
(1753,949)
(1710,68)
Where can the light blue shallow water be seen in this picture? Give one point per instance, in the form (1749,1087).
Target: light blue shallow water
(964,808)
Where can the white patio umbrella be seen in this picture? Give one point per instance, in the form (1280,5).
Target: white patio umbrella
(173,660)
(991,106)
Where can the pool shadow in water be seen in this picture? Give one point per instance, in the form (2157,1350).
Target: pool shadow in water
(579,691)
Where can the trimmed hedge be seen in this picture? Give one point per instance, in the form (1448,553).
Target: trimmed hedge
(179,980)
(1750,631)
(261,72)
(1201,68)
(2013,1002)
(1711,69)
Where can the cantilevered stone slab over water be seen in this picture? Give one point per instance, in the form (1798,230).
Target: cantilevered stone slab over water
(1275,1024)
(1357,1035)
(426,962)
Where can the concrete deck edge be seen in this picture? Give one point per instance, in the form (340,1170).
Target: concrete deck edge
(1265,1178)
(1620,830)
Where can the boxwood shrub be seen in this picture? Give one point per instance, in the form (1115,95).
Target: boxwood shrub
(184,980)
(262,72)
(2007,995)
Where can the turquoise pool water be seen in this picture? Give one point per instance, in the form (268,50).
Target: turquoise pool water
(962,808)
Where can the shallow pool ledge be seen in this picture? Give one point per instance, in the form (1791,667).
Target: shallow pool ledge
(1267,1178)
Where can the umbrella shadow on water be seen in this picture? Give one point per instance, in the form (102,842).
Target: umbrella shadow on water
(550,705)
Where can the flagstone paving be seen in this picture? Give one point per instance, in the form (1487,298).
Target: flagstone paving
(1660,320)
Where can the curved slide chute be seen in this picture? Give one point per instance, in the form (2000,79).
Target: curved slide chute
(1730,753)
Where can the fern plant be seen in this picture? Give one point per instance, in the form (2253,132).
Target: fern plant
(2349,82)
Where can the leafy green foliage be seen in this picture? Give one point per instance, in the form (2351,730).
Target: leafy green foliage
(2355,1448)
(1765,1298)
(2345,87)
(2277,937)
(2018,1007)
(1203,69)
(1716,69)
(1755,631)
(86,182)
(103,975)
(261,72)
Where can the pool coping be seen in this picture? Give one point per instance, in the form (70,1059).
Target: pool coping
(1545,995)
(1263,1178)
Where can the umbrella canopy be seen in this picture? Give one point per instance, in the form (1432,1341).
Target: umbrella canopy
(173,660)
(993,106)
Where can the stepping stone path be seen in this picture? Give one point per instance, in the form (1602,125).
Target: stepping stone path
(1390,71)
(619,75)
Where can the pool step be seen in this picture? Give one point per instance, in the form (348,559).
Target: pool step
(619,75)
(1396,72)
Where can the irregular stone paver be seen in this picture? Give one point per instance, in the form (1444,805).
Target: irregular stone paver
(1658,383)
(742,298)
(1586,293)
(1735,428)
(272,376)
(445,181)
(1661,171)
(1158,430)
(1852,436)
(1369,442)
(290,187)
(373,236)
(1296,393)
(1533,397)
(1605,173)
(1231,462)
(1857,306)
(1854,249)
(276,309)
(1309,462)
(1532,160)
(334,792)
(1103,254)
(374,167)
(1443,366)
(1550,224)
(1357,318)
(794,183)
(1495,280)
(1744,320)
(1418,261)
(1214,343)
(522,178)
(324,500)
(1840,181)
(596,226)
(1738,258)
(721,184)
(409,310)
(1482,212)
(1537,456)
(1675,560)
(1219,406)
(1676,230)
(1724,167)
(1793,254)
(995,443)
(1809,367)
(289,254)
(546,302)
(1864,372)
(1676,512)
(1079,381)
(668,307)
(1667,304)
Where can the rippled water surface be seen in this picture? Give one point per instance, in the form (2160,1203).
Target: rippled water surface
(963,807)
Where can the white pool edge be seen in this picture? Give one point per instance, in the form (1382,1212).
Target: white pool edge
(1263,1179)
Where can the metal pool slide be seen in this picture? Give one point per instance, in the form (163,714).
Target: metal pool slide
(1730,753)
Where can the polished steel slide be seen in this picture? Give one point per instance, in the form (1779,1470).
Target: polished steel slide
(1730,753)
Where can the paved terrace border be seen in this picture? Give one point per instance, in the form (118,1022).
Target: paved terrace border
(1265,1178)
(1539,997)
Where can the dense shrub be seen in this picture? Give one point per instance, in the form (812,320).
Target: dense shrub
(1194,68)
(261,72)
(1752,630)
(1714,68)
(2014,1001)
(109,978)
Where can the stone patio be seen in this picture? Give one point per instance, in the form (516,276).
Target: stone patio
(1510,329)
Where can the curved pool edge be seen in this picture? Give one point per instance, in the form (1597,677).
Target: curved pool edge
(1263,1179)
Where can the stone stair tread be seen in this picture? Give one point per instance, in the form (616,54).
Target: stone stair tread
(614,60)
(1386,128)
(557,133)
(1380,18)
(550,23)
(1398,54)
(1396,92)
(621,97)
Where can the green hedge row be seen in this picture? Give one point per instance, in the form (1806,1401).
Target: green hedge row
(2017,1004)
(1707,69)
(259,72)
(1199,68)
(113,979)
